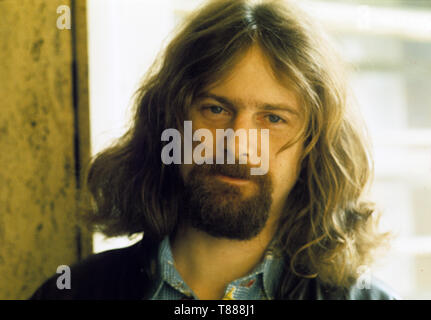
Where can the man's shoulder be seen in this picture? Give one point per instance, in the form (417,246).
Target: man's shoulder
(375,289)
(372,289)
(109,262)
(112,274)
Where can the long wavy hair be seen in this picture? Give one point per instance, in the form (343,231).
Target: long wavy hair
(327,230)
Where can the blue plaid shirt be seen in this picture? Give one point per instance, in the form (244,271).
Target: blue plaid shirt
(260,284)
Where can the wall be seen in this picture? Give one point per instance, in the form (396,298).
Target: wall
(43,142)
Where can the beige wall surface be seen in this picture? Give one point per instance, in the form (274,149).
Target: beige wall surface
(41,142)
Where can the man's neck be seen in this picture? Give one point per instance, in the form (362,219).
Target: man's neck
(207,264)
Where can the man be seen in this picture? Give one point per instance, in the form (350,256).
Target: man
(214,230)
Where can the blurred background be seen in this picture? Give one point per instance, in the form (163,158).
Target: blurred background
(389,45)
(51,122)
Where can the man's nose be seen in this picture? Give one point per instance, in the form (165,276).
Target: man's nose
(240,145)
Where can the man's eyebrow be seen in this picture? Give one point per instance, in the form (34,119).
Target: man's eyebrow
(263,106)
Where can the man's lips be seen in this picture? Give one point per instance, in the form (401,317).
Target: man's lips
(232,180)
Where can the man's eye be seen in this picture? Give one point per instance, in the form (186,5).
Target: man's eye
(216,109)
(274,118)
(214,112)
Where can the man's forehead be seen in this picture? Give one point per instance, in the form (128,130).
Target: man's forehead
(252,82)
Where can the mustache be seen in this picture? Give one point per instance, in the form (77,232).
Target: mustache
(239,171)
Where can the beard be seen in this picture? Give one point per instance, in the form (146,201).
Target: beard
(224,210)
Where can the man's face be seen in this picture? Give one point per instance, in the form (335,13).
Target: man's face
(224,200)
